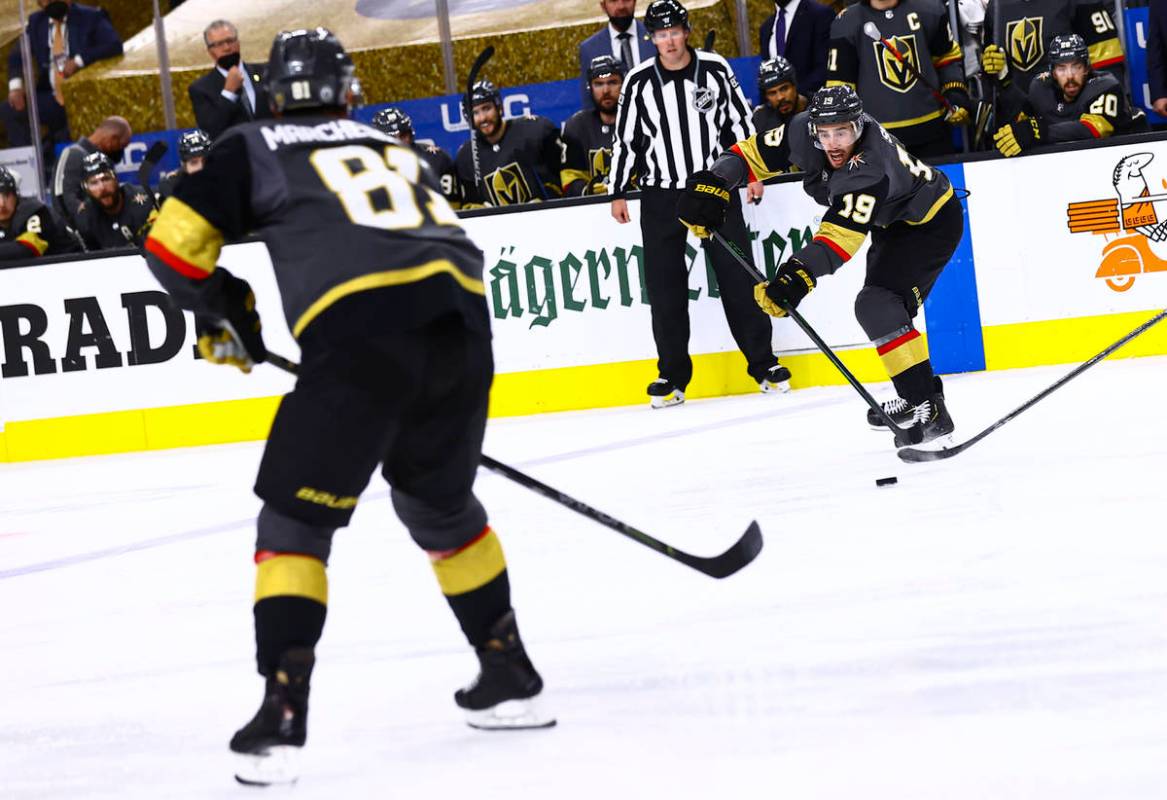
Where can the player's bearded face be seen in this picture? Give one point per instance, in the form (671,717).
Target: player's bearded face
(606,92)
(1071,77)
(487,118)
(103,188)
(838,141)
(782,98)
(7,205)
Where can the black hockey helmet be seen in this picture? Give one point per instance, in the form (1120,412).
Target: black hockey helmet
(832,105)
(95,164)
(394,122)
(8,182)
(1068,47)
(602,66)
(308,69)
(775,71)
(662,14)
(193,144)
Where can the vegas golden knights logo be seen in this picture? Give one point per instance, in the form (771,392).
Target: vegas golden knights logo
(1026,46)
(600,160)
(892,73)
(508,186)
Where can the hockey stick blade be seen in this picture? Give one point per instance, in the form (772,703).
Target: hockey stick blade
(741,553)
(914,456)
(153,156)
(903,436)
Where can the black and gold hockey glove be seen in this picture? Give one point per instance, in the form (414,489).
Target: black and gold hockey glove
(957,95)
(994,63)
(703,206)
(792,283)
(1017,137)
(228,329)
(597,185)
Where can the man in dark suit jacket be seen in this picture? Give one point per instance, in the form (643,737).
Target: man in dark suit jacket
(1157,56)
(86,35)
(608,41)
(233,91)
(807,25)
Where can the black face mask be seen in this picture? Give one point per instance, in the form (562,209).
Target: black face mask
(228,61)
(57,9)
(621,23)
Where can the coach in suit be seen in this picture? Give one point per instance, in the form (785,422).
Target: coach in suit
(624,38)
(1157,56)
(804,35)
(64,38)
(233,91)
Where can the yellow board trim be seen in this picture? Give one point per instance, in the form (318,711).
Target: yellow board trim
(291,576)
(1069,341)
(472,568)
(186,234)
(380,280)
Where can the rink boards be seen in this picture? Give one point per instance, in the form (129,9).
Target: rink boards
(1054,266)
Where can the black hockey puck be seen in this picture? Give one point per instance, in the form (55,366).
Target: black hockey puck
(886,481)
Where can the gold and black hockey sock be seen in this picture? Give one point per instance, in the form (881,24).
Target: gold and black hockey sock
(905,357)
(291,601)
(474,580)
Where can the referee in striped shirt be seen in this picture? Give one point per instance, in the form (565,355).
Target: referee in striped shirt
(677,113)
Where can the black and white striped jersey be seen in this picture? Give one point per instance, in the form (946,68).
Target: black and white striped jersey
(676,122)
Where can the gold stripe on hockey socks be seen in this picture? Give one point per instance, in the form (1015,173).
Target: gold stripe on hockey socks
(474,564)
(287,574)
(903,353)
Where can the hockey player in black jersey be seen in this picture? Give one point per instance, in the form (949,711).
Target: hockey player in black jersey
(1031,25)
(384,292)
(27,227)
(1071,102)
(193,147)
(891,93)
(589,133)
(870,184)
(397,123)
(519,159)
(778,90)
(113,214)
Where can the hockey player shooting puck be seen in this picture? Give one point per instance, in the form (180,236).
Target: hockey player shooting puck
(886,481)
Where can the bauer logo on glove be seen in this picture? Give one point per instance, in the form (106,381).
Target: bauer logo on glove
(704,204)
(792,283)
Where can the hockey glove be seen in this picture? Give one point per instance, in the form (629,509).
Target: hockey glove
(1017,137)
(792,283)
(959,113)
(229,330)
(704,204)
(994,63)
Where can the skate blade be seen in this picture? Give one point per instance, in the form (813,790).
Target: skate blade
(939,443)
(769,387)
(674,399)
(510,715)
(275,765)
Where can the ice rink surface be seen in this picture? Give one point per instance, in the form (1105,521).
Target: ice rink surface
(994,626)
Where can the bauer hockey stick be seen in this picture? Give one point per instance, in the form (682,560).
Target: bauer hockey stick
(915,456)
(903,436)
(479,63)
(741,553)
(872,30)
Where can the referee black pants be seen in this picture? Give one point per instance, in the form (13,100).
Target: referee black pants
(666,278)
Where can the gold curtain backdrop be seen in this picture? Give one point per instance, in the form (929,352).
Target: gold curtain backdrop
(396,59)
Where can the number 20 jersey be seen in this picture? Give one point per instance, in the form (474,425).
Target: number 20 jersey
(342,209)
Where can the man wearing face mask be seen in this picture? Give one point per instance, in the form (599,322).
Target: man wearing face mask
(624,38)
(233,91)
(63,38)
(111,137)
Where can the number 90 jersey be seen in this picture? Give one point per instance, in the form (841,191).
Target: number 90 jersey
(880,185)
(342,209)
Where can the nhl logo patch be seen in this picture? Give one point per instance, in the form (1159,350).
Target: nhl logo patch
(703,100)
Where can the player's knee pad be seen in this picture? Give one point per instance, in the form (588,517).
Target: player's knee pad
(279,533)
(880,311)
(437,528)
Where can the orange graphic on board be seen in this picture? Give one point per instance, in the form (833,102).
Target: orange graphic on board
(1133,223)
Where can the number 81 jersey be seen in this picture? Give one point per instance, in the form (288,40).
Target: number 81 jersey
(881,184)
(342,208)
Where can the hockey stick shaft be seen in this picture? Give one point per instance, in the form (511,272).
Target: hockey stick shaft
(710,38)
(471,79)
(912,455)
(150,162)
(741,553)
(871,30)
(903,436)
